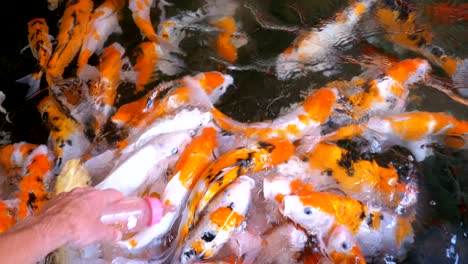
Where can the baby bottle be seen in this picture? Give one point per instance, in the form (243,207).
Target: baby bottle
(133,214)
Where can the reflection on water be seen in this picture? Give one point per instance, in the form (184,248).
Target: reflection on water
(262,89)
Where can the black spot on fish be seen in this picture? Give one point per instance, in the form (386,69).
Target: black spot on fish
(305,159)
(437,51)
(413,37)
(362,216)
(370,220)
(38,179)
(268,146)
(381,217)
(208,236)
(328,172)
(231,206)
(189,254)
(31,200)
(421,42)
(69,142)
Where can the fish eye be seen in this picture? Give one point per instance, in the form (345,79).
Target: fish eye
(308,211)
(346,246)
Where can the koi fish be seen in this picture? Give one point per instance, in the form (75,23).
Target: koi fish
(34,185)
(388,95)
(102,23)
(374,230)
(399,20)
(201,90)
(412,130)
(342,247)
(361,176)
(228,167)
(13,157)
(196,156)
(313,49)
(224,215)
(305,119)
(73,26)
(104,90)
(228,40)
(141,16)
(7,216)
(144,164)
(40,43)
(66,136)
(150,58)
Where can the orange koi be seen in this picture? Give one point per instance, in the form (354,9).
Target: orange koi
(103,22)
(104,90)
(223,216)
(33,186)
(399,20)
(200,90)
(146,63)
(226,44)
(13,157)
(195,158)
(360,175)
(388,95)
(141,16)
(303,120)
(41,48)
(374,230)
(313,49)
(66,135)
(73,26)
(227,168)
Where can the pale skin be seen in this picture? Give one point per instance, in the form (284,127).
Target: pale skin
(70,218)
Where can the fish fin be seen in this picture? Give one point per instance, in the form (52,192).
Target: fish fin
(88,72)
(460,78)
(171,65)
(25,48)
(199,97)
(34,82)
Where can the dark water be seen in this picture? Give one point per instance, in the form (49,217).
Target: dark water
(258,94)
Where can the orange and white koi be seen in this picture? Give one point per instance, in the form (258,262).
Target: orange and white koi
(400,22)
(103,22)
(34,185)
(40,43)
(195,158)
(145,164)
(13,158)
(152,57)
(388,95)
(361,176)
(415,129)
(104,90)
(224,215)
(66,136)
(250,159)
(305,119)
(141,16)
(312,50)
(72,30)
(375,230)
(201,90)
(228,40)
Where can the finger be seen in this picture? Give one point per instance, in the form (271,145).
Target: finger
(109,196)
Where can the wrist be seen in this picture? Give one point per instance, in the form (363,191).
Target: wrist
(55,234)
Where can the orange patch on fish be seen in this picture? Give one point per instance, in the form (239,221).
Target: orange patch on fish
(226,218)
(320,104)
(224,46)
(403,230)
(7,219)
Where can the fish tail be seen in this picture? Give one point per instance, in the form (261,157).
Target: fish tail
(34,82)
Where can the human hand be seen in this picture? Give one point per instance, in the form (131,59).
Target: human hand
(75,217)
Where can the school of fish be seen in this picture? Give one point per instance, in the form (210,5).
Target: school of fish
(334,179)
